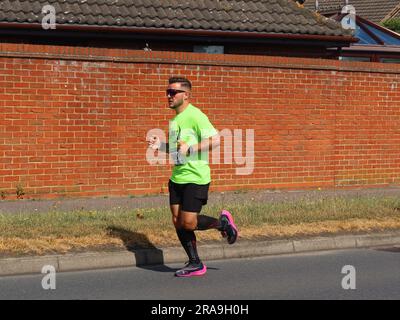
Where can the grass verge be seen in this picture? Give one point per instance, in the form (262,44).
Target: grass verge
(61,232)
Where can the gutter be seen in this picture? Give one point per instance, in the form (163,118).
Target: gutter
(373,48)
(183,32)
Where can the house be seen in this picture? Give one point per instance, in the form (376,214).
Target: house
(376,43)
(265,27)
(374,11)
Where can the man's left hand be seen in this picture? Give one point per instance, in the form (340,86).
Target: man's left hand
(183,147)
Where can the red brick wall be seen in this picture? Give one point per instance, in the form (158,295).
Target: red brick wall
(73,121)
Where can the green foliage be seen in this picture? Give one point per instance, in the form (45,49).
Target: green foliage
(392,24)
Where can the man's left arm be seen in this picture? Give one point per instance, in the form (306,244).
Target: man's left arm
(207,144)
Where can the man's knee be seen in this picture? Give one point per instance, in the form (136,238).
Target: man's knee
(188,222)
(189,226)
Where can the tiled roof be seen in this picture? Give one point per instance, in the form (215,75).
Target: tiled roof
(263,16)
(372,10)
(395,13)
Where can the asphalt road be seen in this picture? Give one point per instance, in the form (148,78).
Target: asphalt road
(315,275)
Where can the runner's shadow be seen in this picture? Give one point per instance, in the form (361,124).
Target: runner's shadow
(146,254)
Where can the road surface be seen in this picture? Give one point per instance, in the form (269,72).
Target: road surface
(366,273)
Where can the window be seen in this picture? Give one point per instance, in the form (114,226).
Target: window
(364,59)
(209,49)
(390,60)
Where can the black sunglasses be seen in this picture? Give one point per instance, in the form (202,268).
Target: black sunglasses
(173,92)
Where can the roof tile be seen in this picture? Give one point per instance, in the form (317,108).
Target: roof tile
(263,16)
(372,10)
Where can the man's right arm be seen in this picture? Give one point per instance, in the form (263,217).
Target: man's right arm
(156,144)
(164,147)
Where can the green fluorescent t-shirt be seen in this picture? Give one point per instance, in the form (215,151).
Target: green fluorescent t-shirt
(191,126)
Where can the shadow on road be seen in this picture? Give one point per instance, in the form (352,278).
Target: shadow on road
(394,249)
(146,254)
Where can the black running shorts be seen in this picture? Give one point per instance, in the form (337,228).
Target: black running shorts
(190,196)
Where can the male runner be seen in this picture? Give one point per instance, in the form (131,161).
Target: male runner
(190,138)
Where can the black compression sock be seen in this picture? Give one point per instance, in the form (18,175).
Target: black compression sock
(206,222)
(188,241)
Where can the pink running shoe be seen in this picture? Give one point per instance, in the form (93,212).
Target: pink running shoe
(192,270)
(229,227)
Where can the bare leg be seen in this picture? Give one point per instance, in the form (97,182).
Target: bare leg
(175,209)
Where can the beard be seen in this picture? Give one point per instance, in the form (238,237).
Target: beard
(175,104)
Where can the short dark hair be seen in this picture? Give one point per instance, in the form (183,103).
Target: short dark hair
(183,81)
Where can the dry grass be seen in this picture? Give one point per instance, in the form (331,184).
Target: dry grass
(61,232)
(47,245)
